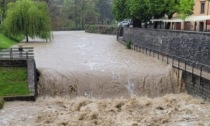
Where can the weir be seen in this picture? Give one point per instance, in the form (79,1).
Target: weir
(97,66)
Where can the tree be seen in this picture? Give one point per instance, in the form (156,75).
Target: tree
(185,8)
(120,9)
(79,12)
(105,10)
(29,18)
(139,11)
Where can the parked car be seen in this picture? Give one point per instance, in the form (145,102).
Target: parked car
(124,23)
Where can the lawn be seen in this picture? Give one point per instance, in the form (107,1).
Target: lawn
(6,42)
(13,81)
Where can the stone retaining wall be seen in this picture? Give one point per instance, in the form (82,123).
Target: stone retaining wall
(13,63)
(197,86)
(192,46)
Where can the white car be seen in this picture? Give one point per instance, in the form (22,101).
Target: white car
(123,23)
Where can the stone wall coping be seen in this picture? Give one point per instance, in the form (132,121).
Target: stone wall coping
(168,30)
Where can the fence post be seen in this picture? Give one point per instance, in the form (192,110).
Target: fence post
(178,63)
(27,55)
(146,51)
(11,57)
(173,61)
(193,81)
(201,69)
(167,58)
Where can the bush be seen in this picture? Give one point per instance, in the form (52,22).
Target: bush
(1,103)
(102,29)
(128,45)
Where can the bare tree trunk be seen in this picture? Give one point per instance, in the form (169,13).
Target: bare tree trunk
(137,23)
(27,38)
(169,23)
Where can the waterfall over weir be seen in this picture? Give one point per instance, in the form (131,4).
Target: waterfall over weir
(82,64)
(107,84)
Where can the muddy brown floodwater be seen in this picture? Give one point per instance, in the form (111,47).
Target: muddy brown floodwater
(90,79)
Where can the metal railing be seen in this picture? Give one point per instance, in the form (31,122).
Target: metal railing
(17,53)
(199,69)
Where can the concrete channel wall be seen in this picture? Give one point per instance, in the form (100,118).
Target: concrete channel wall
(32,77)
(194,47)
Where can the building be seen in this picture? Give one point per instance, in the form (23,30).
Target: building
(201,9)
(198,21)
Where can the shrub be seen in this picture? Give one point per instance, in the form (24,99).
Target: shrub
(128,45)
(1,103)
(102,29)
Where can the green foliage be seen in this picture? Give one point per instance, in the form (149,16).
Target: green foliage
(13,81)
(139,9)
(120,9)
(144,10)
(28,18)
(77,13)
(102,29)
(1,102)
(128,45)
(185,8)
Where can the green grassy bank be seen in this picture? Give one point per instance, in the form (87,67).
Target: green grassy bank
(13,81)
(6,42)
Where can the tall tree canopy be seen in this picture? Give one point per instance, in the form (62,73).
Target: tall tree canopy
(79,12)
(185,8)
(144,10)
(29,18)
(120,9)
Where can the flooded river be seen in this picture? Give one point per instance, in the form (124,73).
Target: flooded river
(90,79)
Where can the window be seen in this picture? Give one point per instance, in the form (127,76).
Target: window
(202,7)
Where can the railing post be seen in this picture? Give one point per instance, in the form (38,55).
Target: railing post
(11,57)
(167,58)
(173,61)
(201,69)
(149,52)
(193,81)
(178,63)
(27,55)
(146,51)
